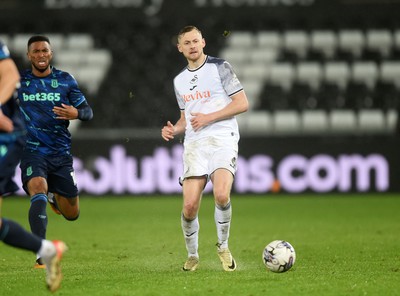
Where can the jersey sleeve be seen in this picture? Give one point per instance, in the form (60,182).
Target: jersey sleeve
(179,98)
(75,95)
(229,80)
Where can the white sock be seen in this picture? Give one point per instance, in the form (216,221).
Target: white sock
(222,216)
(191,234)
(47,250)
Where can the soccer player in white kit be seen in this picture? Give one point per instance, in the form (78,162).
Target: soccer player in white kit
(209,96)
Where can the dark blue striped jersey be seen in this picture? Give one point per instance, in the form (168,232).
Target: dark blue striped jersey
(10,108)
(37,97)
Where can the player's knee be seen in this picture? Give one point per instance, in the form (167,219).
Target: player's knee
(221,197)
(190,211)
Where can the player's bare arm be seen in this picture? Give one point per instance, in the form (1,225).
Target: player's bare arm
(6,123)
(169,131)
(66,112)
(9,79)
(238,105)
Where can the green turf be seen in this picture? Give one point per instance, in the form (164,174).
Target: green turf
(345,245)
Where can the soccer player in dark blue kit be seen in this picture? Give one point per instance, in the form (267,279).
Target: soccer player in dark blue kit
(12,140)
(49,99)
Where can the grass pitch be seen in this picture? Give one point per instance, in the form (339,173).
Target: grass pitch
(345,245)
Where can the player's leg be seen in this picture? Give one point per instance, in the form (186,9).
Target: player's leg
(222,180)
(33,174)
(37,188)
(63,187)
(223,165)
(37,215)
(192,192)
(67,206)
(11,233)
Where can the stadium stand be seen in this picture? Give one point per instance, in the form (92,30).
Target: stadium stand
(351,77)
(332,77)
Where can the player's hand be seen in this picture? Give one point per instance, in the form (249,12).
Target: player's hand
(198,120)
(5,123)
(167,132)
(66,112)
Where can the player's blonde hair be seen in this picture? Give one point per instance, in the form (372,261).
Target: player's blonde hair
(187,29)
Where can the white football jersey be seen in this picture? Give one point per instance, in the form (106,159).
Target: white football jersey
(205,90)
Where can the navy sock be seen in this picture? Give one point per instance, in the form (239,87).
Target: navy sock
(14,235)
(37,215)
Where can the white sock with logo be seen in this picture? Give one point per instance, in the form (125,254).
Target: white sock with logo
(190,230)
(223,216)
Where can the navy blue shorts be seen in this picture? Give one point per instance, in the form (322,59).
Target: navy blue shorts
(10,156)
(57,170)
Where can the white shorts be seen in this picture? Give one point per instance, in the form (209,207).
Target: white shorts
(204,156)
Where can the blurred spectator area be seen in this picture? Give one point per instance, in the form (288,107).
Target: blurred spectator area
(318,81)
(297,81)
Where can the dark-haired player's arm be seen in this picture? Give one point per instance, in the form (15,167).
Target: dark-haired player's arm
(66,112)
(85,112)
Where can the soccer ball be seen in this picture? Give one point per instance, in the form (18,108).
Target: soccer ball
(279,256)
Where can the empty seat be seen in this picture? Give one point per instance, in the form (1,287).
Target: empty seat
(90,77)
(70,57)
(282,74)
(338,73)
(19,43)
(259,122)
(380,41)
(314,121)
(235,56)
(79,41)
(390,72)
(56,41)
(263,56)
(241,39)
(254,71)
(351,41)
(286,122)
(309,73)
(365,72)
(99,57)
(324,42)
(269,39)
(342,121)
(371,121)
(296,42)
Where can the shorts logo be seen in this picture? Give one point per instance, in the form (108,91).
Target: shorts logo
(233,162)
(29,171)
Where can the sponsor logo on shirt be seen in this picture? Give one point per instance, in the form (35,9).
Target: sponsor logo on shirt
(196,96)
(41,97)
